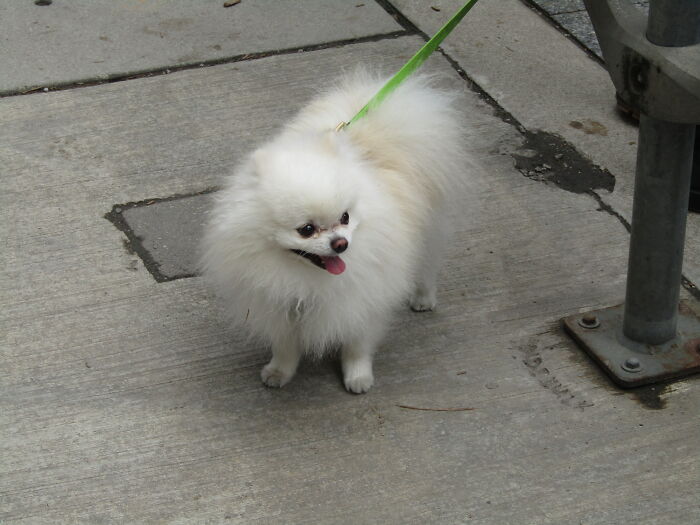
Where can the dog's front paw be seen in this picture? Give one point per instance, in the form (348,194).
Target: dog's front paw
(423,302)
(275,377)
(357,367)
(359,384)
(357,374)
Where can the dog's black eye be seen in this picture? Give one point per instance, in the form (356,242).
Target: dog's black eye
(307,230)
(345,218)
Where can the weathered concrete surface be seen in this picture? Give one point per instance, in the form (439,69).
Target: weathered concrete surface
(546,82)
(125,400)
(81,40)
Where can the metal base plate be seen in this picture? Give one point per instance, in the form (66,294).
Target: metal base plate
(628,362)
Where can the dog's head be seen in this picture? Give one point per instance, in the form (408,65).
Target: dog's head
(310,188)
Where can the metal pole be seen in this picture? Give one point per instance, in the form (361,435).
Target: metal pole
(662,187)
(674,23)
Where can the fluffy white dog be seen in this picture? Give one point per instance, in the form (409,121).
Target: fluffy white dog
(320,234)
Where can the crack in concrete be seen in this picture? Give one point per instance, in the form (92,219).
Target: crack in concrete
(606,208)
(121,77)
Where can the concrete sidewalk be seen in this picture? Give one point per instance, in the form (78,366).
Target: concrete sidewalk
(127,399)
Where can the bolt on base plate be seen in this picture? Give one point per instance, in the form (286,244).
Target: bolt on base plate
(628,362)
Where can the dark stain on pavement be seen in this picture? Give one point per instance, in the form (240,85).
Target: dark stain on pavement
(590,127)
(548,158)
(649,396)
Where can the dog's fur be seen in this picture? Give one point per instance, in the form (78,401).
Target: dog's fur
(391,171)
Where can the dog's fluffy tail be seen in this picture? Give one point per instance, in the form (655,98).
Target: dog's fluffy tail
(416,131)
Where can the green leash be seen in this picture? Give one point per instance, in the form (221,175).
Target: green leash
(413,64)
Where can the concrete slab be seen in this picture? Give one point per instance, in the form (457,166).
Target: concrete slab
(84,40)
(127,400)
(546,82)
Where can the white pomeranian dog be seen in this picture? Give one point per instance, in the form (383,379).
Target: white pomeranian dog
(321,234)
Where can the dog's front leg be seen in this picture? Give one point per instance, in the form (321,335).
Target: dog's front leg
(357,356)
(286,353)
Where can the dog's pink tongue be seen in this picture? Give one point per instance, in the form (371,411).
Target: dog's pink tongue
(334,265)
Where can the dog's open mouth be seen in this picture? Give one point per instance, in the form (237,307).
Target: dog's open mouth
(331,263)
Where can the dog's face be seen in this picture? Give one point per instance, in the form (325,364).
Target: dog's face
(311,193)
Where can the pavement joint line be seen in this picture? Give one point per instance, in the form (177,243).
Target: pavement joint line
(133,243)
(400,18)
(409,26)
(121,77)
(498,110)
(606,208)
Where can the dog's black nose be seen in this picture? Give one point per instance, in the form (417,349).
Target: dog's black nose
(339,245)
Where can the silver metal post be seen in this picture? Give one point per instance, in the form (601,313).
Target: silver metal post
(662,188)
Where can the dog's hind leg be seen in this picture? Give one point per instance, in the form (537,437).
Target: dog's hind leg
(424,296)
